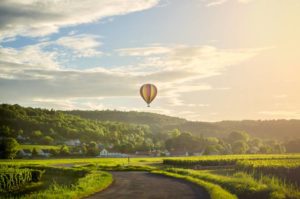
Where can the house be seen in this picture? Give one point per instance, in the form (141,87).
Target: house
(166,153)
(105,153)
(20,138)
(253,150)
(74,142)
(44,152)
(197,153)
(179,153)
(143,153)
(24,153)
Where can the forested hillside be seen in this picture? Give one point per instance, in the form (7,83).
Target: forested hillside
(42,126)
(134,131)
(266,129)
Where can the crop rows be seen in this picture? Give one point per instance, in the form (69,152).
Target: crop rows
(285,169)
(229,160)
(14,178)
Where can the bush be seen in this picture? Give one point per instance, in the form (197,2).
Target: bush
(8,148)
(36,175)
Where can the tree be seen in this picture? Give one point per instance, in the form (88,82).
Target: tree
(64,150)
(278,148)
(211,150)
(9,148)
(293,146)
(211,140)
(184,142)
(93,149)
(54,152)
(83,149)
(255,142)
(47,140)
(36,136)
(5,131)
(34,152)
(239,147)
(238,136)
(265,149)
(174,133)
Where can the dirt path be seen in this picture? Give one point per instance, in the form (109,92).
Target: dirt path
(142,185)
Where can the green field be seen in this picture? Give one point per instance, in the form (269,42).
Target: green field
(231,176)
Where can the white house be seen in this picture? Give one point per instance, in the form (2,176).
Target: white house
(25,153)
(21,138)
(75,142)
(105,153)
(167,153)
(44,153)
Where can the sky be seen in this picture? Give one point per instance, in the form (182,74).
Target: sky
(211,60)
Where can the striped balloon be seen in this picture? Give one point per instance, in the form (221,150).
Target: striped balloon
(148,93)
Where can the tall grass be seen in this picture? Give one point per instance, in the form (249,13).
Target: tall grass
(91,183)
(14,178)
(288,169)
(245,185)
(214,191)
(224,160)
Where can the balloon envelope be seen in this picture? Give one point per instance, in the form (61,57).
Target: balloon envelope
(148,93)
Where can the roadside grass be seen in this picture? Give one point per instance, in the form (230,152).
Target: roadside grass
(214,191)
(62,182)
(244,185)
(280,189)
(91,183)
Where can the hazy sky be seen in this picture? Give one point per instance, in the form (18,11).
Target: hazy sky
(210,59)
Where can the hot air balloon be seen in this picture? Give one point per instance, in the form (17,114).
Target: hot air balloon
(148,93)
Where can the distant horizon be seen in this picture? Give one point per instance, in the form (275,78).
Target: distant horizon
(225,120)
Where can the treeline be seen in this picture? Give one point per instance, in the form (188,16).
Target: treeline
(234,143)
(42,126)
(283,130)
(128,132)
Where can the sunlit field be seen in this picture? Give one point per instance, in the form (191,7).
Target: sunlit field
(230,176)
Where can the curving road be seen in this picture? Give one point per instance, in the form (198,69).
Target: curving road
(142,185)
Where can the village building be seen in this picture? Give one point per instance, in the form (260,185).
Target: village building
(24,153)
(74,142)
(44,152)
(105,153)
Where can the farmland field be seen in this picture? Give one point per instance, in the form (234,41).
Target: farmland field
(231,176)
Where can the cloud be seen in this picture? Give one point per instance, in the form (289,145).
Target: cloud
(198,61)
(46,55)
(36,18)
(177,70)
(81,45)
(210,3)
(28,57)
(146,51)
(68,104)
